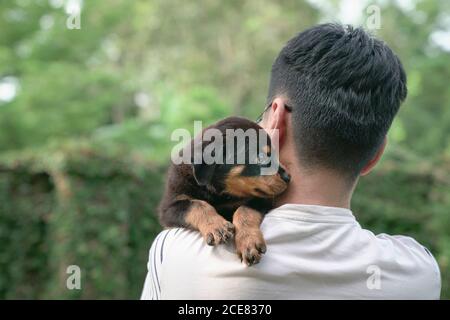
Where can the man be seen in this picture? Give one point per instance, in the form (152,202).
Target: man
(333,94)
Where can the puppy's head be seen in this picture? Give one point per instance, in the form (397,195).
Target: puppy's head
(238,159)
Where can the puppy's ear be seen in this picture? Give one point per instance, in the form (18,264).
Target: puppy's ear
(203,173)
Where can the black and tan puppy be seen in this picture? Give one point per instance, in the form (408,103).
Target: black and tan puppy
(208,197)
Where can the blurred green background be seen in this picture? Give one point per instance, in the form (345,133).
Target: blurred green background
(86,116)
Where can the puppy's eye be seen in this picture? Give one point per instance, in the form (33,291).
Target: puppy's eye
(263,158)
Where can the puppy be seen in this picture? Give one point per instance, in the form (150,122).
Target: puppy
(225,198)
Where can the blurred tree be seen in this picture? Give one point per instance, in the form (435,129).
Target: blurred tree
(75,81)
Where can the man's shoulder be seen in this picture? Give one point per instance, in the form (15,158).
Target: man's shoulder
(403,256)
(176,241)
(406,247)
(167,237)
(171,234)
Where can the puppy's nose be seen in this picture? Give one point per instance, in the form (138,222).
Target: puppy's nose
(284,175)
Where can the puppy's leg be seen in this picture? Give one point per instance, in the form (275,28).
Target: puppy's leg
(197,215)
(213,227)
(250,244)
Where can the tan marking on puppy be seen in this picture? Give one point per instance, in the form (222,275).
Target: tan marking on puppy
(257,186)
(250,244)
(236,171)
(213,227)
(182,197)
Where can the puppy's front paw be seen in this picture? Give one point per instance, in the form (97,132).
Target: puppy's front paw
(250,245)
(216,230)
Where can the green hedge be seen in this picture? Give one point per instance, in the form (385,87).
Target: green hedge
(82,207)
(77,208)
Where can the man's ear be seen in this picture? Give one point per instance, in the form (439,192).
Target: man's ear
(203,173)
(375,159)
(277,119)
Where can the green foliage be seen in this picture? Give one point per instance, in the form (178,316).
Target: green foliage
(25,202)
(76,207)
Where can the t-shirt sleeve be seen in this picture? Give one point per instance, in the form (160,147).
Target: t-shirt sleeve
(152,285)
(426,268)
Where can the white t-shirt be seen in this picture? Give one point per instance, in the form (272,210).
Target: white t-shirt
(313,252)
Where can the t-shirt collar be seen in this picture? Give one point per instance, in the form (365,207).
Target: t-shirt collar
(312,212)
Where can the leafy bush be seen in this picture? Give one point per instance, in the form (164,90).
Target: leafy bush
(76,208)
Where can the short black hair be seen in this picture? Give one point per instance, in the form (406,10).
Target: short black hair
(345,87)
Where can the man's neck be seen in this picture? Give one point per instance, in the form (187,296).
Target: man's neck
(317,188)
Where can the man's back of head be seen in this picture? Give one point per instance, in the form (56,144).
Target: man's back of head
(344,87)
